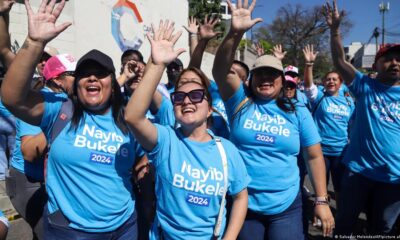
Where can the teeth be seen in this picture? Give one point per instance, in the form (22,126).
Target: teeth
(186,110)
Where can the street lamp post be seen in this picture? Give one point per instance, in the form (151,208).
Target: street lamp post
(383,8)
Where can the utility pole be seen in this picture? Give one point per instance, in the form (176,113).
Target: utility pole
(383,8)
(376,35)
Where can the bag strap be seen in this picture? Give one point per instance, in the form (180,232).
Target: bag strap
(217,228)
(317,105)
(64,116)
(239,107)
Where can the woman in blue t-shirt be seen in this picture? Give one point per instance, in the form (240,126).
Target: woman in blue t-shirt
(332,112)
(269,129)
(88,178)
(194,168)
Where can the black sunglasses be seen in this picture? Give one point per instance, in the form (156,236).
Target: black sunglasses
(195,96)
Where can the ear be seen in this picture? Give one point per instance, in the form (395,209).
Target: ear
(210,111)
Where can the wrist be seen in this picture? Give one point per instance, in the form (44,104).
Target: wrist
(322,200)
(193,34)
(309,63)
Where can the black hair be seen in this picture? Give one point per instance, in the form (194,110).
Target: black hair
(130,52)
(116,103)
(243,65)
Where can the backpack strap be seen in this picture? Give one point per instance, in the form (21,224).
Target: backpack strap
(239,107)
(64,116)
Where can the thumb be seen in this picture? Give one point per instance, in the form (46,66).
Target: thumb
(315,219)
(257,20)
(179,51)
(61,28)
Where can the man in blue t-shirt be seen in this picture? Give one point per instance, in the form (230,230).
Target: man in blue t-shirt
(372,158)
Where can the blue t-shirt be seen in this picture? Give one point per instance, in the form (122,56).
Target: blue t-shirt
(269,141)
(32,169)
(190,183)
(374,140)
(88,171)
(4,111)
(302,98)
(220,125)
(332,115)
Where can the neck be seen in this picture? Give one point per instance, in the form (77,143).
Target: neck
(388,81)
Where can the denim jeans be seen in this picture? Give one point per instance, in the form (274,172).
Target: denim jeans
(287,225)
(357,190)
(56,228)
(335,167)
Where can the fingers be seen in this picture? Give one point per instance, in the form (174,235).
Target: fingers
(60,28)
(257,20)
(57,11)
(28,8)
(155,34)
(50,6)
(180,51)
(175,37)
(246,4)
(230,5)
(252,5)
(239,4)
(42,7)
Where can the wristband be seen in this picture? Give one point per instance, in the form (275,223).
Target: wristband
(193,34)
(309,63)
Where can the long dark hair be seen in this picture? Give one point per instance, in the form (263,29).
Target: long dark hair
(116,103)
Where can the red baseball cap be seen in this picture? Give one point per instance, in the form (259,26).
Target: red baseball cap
(386,48)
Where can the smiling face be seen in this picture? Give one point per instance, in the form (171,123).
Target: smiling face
(332,83)
(94,87)
(388,68)
(266,83)
(189,114)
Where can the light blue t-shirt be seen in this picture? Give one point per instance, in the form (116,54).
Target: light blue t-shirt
(269,141)
(374,140)
(332,116)
(88,171)
(302,98)
(190,183)
(220,124)
(36,169)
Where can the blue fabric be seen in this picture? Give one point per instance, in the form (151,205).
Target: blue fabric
(4,111)
(269,141)
(302,98)
(374,142)
(287,225)
(220,120)
(165,115)
(332,117)
(35,169)
(7,138)
(189,183)
(56,231)
(88,170)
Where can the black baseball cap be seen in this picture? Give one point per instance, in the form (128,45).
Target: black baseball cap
(96,56)
(175,62)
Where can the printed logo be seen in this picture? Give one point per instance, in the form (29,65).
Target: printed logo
(195,180)
(106,142)
(101,158)
(341,110)
(265,138)
(388,111)
(198,200)
(267,124)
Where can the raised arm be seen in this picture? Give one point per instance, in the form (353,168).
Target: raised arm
(278,52)
(16,92)
(333,19)
(6,55)
(162,53)
(192,28)
(206,34)
(309,58)
(240,23)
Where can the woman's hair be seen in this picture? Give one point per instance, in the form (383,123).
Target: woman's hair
(282,102)
(205,82)
(116,102)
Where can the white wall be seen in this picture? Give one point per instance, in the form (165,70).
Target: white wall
(91,26)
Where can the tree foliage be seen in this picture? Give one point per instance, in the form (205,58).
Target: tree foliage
(296,26)
(201,8)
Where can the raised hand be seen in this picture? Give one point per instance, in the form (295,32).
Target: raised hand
(332,15)
(259,48)
(278,52)
(193,25)
(162,43)
(42,25)
(241,15)
(309,54)
(5,5)
(131,69)
(207,29)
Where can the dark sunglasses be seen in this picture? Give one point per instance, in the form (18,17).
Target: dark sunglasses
(68,73)
(195,96)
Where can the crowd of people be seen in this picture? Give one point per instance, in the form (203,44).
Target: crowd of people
(101,156)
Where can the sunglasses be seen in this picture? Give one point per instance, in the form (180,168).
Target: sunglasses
(195,96)
(68,73)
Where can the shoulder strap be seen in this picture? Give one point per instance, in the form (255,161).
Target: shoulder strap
(64,116)
(239,107)
(217,228)
(317,105)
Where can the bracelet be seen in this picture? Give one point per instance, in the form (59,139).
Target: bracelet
(309,63)
(321,203)
(193,34)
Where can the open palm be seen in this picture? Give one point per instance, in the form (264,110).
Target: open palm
(162,43)
(241,16)
(332,15)
(207,29)
(41,25)
(309,54)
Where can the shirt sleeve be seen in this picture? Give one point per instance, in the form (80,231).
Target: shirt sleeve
(165,115)
(160,152)
(356,86)
(52,106)
(26,129)
(311,93)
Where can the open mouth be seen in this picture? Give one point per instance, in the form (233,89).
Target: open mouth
(187,110)
(93,90)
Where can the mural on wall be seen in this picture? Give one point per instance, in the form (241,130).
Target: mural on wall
(121,8)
